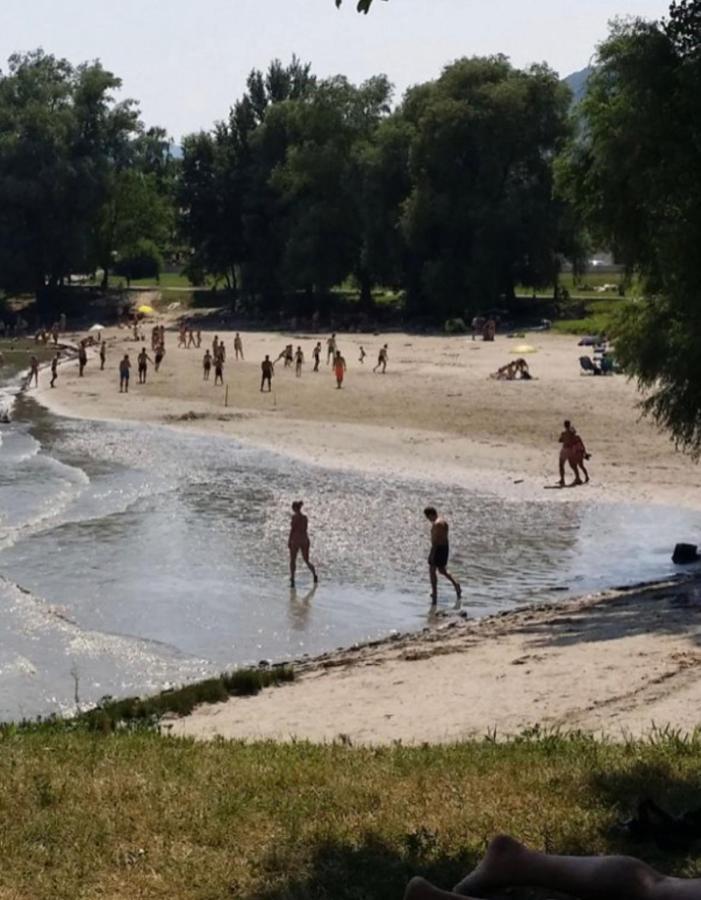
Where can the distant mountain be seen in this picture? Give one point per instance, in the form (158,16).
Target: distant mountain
(577,83)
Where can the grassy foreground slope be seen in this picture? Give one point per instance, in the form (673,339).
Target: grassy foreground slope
(136,815)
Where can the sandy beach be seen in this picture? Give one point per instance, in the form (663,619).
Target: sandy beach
(613,664)
(435,414)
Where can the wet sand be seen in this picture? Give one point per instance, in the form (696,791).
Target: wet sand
(619,665)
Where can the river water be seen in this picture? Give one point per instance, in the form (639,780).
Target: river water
(136,557)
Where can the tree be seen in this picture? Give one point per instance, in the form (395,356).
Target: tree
(633,175)
(482,216)
(60,131)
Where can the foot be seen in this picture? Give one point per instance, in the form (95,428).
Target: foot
(577,481)
(498,868)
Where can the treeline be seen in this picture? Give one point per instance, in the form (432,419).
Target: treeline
(448,199)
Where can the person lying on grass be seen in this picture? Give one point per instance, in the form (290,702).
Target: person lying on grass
(509,864)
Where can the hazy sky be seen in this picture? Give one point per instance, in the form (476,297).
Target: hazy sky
(186,60)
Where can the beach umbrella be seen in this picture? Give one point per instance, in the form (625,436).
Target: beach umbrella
(523,348)
(96,327)
(146,310)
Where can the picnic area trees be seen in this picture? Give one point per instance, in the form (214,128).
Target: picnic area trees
(633,174)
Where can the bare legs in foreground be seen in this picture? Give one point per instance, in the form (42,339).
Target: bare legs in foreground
(510,864)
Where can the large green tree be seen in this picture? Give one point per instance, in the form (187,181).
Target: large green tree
(482,215)
(60,133)
(634,173)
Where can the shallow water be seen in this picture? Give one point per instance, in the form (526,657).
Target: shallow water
(147,556)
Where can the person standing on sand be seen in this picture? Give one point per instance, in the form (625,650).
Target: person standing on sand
(219,368)
(331,349)
(316,353)
(299,541)
(339,369)
(567,441)
(363,354)
(440,551)
(158,359)
(207,364)
(33,371)
(578,453)
(238,346)
(143,359)
(299,361)
(103,356)
(267,371)
(82,358)
(124,367)
(382,359)
(54,370)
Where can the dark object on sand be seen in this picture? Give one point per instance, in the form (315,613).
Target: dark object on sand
(685,554)
(652,823)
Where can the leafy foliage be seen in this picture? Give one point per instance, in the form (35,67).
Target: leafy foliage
(633,176)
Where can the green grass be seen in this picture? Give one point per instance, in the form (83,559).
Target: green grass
(111,714)
(593,316)
(137,815)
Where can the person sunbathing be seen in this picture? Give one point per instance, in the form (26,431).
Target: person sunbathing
(508,863)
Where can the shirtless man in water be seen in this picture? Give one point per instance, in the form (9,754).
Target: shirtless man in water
(510,864)
(440,551)
(299,541)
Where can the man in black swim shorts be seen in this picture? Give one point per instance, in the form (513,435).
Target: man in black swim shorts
(440,552)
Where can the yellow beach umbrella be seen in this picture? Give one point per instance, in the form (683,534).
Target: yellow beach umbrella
(523,348)
(146,310)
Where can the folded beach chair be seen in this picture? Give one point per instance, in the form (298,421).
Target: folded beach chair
(589,367)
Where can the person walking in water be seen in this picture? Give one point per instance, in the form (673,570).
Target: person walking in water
(267,371)
(299,361)
(299,541)
(143,360)
(54,370)
(440,551)
(339,369)
(124,367)
(382,360)
(238,346)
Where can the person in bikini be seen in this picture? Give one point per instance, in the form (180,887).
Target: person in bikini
(509,864)
(440,551)
(299,541)
(578,453)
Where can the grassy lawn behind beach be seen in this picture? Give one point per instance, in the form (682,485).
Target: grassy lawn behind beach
(134,814)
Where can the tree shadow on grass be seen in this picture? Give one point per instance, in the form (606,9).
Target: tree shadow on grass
(371,870)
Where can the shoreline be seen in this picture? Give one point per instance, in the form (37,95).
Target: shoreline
(560,664)
(618,678)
